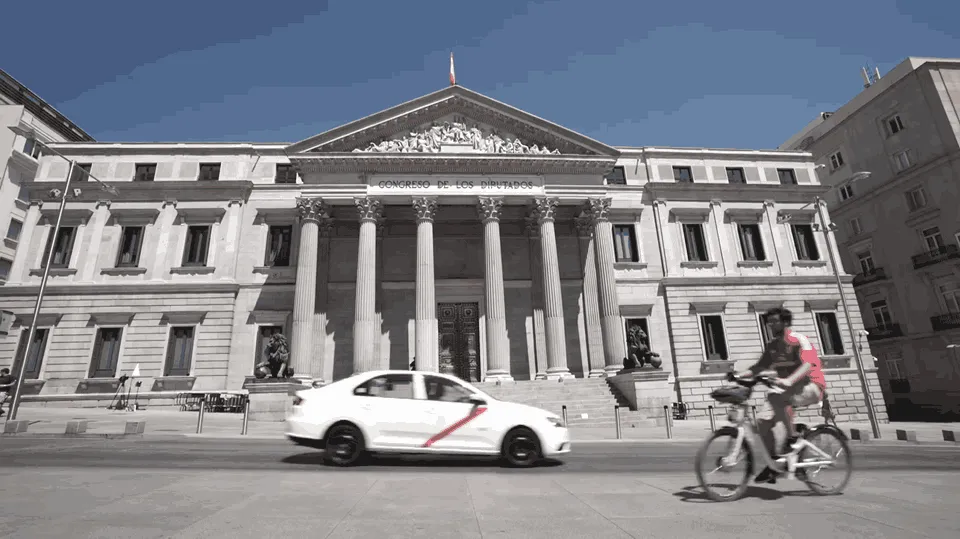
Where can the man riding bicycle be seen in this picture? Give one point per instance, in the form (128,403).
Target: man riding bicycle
(799,372)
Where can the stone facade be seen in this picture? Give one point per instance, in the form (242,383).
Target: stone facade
(521,253)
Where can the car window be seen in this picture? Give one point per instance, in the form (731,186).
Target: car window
(441,389)
(389,386)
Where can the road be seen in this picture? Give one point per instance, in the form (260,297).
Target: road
(196,487)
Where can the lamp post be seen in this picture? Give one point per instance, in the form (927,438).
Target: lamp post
(825,229)
(30,134)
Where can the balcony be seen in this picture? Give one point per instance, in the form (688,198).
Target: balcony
(936,256)
(876,274)
(887,331)
(942,322)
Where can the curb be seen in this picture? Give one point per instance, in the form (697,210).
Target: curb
(108,436)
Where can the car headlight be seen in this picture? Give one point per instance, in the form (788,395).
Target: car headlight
(556,421)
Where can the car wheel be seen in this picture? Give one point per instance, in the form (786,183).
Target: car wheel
(521,448)
(344,445)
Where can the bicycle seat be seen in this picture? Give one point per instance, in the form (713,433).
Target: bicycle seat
(731,395)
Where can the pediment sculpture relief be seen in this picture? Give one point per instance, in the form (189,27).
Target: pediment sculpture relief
(439,133)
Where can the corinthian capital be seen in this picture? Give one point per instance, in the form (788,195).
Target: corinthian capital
(425,208)
(597,208)
(312,209)
(489,208)
(370,209)
(544,209)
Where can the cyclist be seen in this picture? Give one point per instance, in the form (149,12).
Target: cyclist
(794,359)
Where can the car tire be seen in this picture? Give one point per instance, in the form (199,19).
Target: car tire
(521,448)
(344,445)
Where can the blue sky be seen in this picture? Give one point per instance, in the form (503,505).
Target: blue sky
(731,74)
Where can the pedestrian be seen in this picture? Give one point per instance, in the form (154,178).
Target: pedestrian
(7,381)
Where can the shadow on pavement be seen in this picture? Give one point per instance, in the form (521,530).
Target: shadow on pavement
(315,458)
(697,495)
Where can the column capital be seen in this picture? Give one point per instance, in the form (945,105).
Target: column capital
(312,209)
(597,208)
(544,209)
(489,208)
(369,209)
(103,203)
(715,202)
(425,208)
(584,226)
(36,202)
(660,202)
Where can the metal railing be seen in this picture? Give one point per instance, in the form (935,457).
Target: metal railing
(876,274)
(935,256)
(946,321)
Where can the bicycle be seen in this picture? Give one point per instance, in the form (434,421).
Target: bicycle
(804,461)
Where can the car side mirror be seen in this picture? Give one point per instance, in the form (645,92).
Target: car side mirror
(476,400)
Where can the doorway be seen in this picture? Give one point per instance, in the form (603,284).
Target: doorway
(459,335)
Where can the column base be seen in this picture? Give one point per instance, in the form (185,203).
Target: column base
(498,377)
(598,373)
(612,370)
(304,379)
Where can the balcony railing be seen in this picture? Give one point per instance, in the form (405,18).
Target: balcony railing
(935,256)
(943,322)
(876,274)
(887,331)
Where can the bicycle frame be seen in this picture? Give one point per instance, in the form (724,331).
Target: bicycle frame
(748,432)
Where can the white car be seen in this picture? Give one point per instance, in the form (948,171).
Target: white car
(424,413)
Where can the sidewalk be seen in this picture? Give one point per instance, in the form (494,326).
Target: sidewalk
(53,421)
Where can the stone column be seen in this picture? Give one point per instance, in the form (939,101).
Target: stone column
(310,211)
(96,225)
(20,271)
(365,320)
(426,307)
(545,212)
(498,353)
(591,309)
(614,347)
(318,358)
(539,369)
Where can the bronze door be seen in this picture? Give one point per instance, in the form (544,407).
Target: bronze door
(459,348)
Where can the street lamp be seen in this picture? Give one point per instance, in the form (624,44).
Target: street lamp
(31,134)
(825,228)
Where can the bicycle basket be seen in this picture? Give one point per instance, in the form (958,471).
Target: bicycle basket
(731,395)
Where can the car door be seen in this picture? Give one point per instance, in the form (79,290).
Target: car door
(386,407)
(453,423)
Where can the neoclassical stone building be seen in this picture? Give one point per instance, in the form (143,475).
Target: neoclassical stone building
(452,230)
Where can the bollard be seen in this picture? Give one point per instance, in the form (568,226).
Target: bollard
(616,419)
(950,435)
(246,415)
(134,427)
(203,406)
(753,410)
(713,420)
(563,410)
(906,435)
(859,435)
(76,426)
(15,426)
(668,423)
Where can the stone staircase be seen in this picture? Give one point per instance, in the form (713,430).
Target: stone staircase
(589,401)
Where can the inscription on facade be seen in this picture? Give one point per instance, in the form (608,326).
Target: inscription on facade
(456,186)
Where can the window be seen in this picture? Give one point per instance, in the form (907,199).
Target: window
(145,172)
(131,240)
(32,148)
(951,297)
(443,390)
(714,342)
(195,248)
(736,175)
(263,339)
(106,353)
(285,174)
(616,177)
(932,238)
(895,369)
(81,172)
(388,386)
(179,352)
(278,246)
(209,172)
(5,267)
(625,243)
(695,242)
(836,160)
(751,246)
(894,125)
(881,314)
(37,349)
(846,192)
(787,176)
(13,231)
(829,331)
(865,259)
(683,174)
(916,199)
(766,334)
(805,242)
(855,227)
(62,247)
(902,160)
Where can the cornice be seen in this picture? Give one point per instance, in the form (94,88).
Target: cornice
(168,148)
(754,280)
(718,153)
(691,192)
(444,163)
(156,191)
(11,289)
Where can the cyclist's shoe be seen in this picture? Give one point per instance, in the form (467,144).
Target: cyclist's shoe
(768,475)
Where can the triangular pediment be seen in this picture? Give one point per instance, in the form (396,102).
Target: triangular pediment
(453,121)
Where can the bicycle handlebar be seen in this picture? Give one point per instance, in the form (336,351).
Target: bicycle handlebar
(758,379)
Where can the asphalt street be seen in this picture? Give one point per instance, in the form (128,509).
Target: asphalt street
(239,454)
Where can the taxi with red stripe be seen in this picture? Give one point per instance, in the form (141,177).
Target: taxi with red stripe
(422,413)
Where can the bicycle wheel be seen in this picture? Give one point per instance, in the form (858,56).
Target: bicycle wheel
(827,440)
(722,465)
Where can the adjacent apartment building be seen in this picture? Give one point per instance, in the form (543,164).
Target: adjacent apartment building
(20,157)
(899,230)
